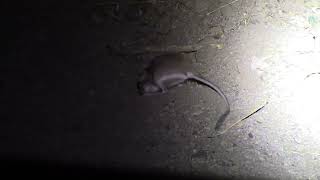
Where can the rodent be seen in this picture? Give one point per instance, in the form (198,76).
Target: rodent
(170,70)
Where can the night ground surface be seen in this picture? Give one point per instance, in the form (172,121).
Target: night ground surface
(69,92)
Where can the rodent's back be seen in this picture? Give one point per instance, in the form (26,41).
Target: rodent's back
(170,64)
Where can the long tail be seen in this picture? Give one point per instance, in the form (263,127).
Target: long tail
(217,89)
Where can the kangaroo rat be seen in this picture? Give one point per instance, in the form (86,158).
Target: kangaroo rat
(168,71)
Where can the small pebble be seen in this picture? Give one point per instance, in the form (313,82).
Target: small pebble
(250,135)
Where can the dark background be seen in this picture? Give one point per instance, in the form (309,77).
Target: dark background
(68,92)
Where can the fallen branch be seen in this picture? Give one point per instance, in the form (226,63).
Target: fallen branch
(221,7)
(254,112)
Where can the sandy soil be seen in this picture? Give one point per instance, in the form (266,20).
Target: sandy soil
(69,86)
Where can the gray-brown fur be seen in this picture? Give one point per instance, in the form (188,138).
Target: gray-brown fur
(168,71)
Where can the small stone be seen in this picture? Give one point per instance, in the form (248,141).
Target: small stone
(196,113)
(250,135)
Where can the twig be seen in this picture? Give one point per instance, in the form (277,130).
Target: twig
(311,74)
(221,7)
(239,121)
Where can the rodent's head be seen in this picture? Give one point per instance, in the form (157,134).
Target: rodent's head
(145,84)
(147,87)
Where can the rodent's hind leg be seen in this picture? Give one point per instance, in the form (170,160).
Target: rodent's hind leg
(163,88)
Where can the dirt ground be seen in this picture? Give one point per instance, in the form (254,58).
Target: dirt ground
(69,85)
